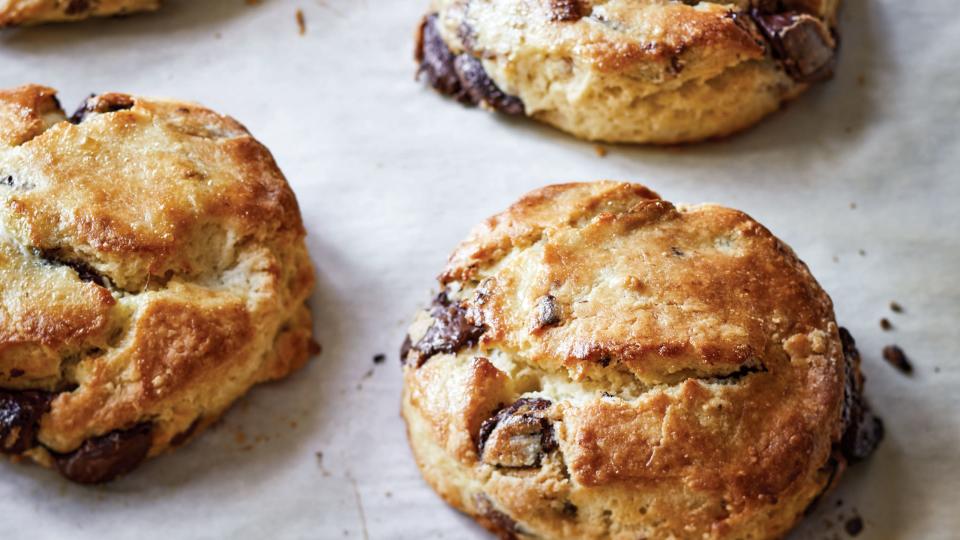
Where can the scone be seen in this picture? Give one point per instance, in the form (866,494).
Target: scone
(602,363)
(152,269)
(632,71)
(30,12)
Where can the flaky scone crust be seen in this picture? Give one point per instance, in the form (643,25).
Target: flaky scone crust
(152,267)
(632,71)
(632,369)
(31,12)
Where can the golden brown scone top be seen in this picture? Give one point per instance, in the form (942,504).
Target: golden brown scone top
(154,268)
(684,361)
(30,12)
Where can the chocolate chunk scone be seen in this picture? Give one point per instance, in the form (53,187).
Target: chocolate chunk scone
(152,269)
(30,12)
(603,364)
(633,71)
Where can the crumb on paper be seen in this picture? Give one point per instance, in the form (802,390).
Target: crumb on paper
(853,206)
(600,150)
(895,356)
(895,307)
(301,22)
(885,324)
(379,358)
(854,525)
(240,437)
(862,252)
(836,259)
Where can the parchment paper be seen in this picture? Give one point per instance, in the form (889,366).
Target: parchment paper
(390,177)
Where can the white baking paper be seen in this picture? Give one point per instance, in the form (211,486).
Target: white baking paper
(860,176)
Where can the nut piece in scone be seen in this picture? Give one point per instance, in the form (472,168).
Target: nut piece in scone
(152,269)
(31,12)
(631,71)
(603,364)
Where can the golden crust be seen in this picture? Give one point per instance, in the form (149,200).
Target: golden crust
(637,71)
(689,369)
(30,12)
(153,268)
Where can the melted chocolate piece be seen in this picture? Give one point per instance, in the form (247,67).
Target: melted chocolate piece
(802,43)
(77,7)
(521,435)
(451,330)
(101,104)
(84,271)
(459,76)
(862,431)
(505,527)
(103,459)
(20,414)
(548,311)
(566,10)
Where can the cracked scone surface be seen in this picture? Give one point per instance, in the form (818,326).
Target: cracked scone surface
(635,71)
(602,363)
(153,269)
(31,12)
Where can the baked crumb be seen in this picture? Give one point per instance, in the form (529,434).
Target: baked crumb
(301,22)
(885,324)
(895,307)
(895,356)
(601,151)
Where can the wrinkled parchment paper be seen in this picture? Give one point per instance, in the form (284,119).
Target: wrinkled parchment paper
(859,176)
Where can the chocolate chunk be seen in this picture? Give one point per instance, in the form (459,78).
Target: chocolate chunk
(451,330)
(566,10)
(77,7)
(106,103)
(405,349)
(504,526)
(569,509)
(517,436)
(802,43)
(854,526)
(897,358)
(84,271)
(180,438)
(548,312)
(20,414)
(103,459)
(459,76)
(862,430)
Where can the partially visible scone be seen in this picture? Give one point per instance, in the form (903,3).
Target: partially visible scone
(30,12)
(633,71)
(152,269)
(603,364)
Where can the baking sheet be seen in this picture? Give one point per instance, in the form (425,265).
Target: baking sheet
(859,176)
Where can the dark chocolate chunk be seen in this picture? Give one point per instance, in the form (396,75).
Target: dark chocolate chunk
(897,358)
(436,60)
(104,458)
(517,436)
(548,311)
(84,271)
(566,10)
(569,509)
(20,414)
(862,430)
(505,527)
(101,104)
(77,7)
(16,372)
(854,526)
(459,76)
(451,330)
(802,43)
(182,437)
(405,349)
(481,88)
